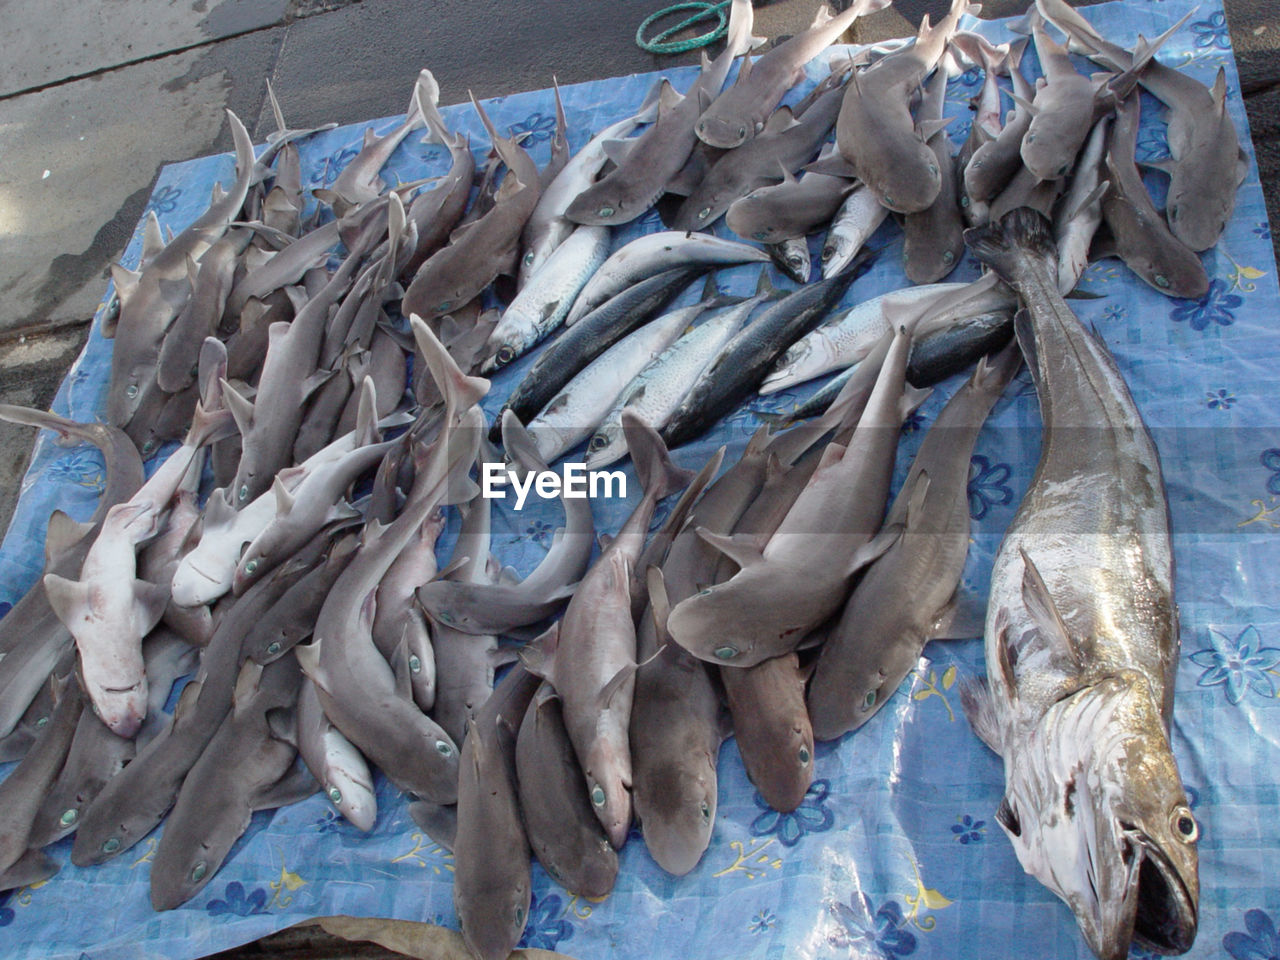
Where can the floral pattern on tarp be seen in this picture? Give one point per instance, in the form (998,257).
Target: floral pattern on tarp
(1216,306)
(235,900)
(1271,460)
(885,936)
(762,921)
(165,199)
(1212,32)
(538,127)
(988,485)
(328,169)
(1240,665)
(1259,941)
(1153,144)
(6,912)
(84,468)
(547,926)
(812,816)
(967,830)
(1220,399)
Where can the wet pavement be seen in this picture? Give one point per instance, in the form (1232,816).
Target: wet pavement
(95,98)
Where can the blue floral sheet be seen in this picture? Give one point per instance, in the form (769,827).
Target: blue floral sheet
(894,852)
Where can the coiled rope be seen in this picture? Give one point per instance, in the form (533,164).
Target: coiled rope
(705,11)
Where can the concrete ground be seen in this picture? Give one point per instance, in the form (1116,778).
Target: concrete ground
(95,98)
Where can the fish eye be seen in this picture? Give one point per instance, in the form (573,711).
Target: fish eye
(111,845)
(964,201)
(443,749)
(804,755)
(1184,825)
(43,721)
(506,355)
(528,259)
(742,131)
(598,442)
(888,200)
(250,567)
(1031,138)
(445,305)
(933,169)
(705,809)
(243,493)
(335,795)
(948,256)
(148,446)
(446,617)
(726,652)
(704,592)
(1062,170)
(759,235)
(273,648)
(1161,281)
(415,664)
(605,212)
(198,871)
(597,795)
(131,391)
(520,915)
(869,700)
(69,817)
(704,213)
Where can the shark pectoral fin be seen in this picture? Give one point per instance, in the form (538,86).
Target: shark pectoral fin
(659,604)
(743,549)
(63,533)
(1094,196)
(308,655)
(34,866)
(400,666)
(539,655)
(975,699)
(781,119)
(283,724)
(1024,104)
(247,683)
(297,784)
(962,618)
(927,128)
(617,683)
(126,282)
(152,241)
(65,596)
(617,150)
(1166,166)
(240,407)
(915,506)
(284,499)
(437,821)
(150,600)
(833,165)
(1039,603)
(871,551)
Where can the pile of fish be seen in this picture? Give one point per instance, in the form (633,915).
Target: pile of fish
(283,557)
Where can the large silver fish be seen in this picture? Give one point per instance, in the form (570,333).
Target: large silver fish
(1082,637)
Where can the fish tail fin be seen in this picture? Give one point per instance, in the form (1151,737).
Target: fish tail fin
(212,420)
(658,474)
(1019,232)
(245,160)
(459,390)
(426,96)
(994,371)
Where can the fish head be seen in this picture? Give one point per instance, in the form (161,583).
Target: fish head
(699,210)
(253,564)
(681,812)
(500,350)
(608,780)
(1096,812)
(1197,217)
(1171,268)
(494,918)
(905,176)
(723,131)
(607,204)
(347,784)
(181,871)
(608,437)
(122,709)
(752,217)
(193,584)
(129,389)
(738,622)
(1049,147)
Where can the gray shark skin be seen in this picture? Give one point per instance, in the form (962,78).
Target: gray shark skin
(1081,668)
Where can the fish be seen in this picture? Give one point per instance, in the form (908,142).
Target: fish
(1207,164)
(339,768)
(656,391)
(492,882)
(933,239)
(573,414)
(771,728)
(1024,190)
(152,298)
(1062,112)
(244,768)
(739,114)
(1081,213)
(859,216)
(743,363)
(1080,668)
(600,330)
(656,253)
(785,587)
(1141,237)
(875,133)
(995,162)
(562,828)
(477,607)
(589,655)
(788,210)
(544,301)
(647,164)
(912,593)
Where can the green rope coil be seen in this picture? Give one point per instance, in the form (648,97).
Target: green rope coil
(706,11)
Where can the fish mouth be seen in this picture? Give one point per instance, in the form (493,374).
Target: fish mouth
(1166,915)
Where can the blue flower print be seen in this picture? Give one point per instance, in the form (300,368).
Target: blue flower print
(537,531)
(165,200)
(6,912)
(913,422)
(968,830)
(236,902)
(1271,460)
(538,127)
(1241,664)
(546,926)
(1212,32)
(1115,313)
(762,921)
(1153,144)
(812,816)
(1220,399)
(82,467)
(1262,230)
(885,936)
(1214,307)
(1261,942)
(988,485)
